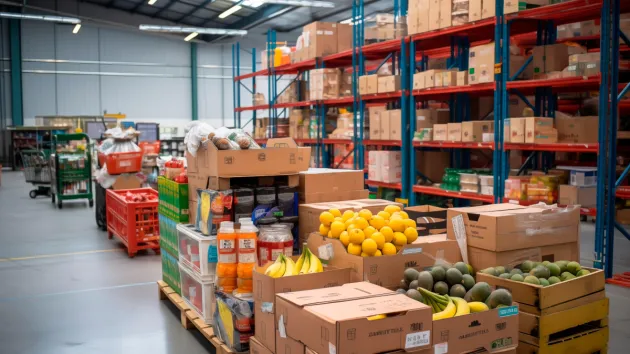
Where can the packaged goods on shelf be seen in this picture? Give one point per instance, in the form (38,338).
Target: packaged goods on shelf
(293,92)
(418,17)
(473,131)
(578,29)
(168,235)
(382,27)
(423,134)
(582,176)
(198,294)
(368,84)
(511,6)
(540,130)
(481,64)
(342,306)
(586,197)
(384,125)
(324,84)
(517,130)
(462,78)
(475,10)
(320,39)
(454,131)
(173,199)
(449,78)
(234,321)
(581,129)
(426,118)
(440,132)
(213,207)
(446,13)
(170,271)
(460,12)
(554,57)
(516,188)
(431,77)
(319,185)
(623,216)
(345,84)
(259,99)
(469,178)
(344,37)
(434,14)
(389,83)
(395,125)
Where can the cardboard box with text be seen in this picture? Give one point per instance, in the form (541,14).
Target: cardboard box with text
(482,259)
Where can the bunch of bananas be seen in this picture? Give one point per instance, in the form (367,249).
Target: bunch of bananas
(285,266)
(445,306)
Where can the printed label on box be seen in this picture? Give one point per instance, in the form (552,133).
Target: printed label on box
(508,311)
(326,252)
(332,349)
(417,339)
(441,348)
(460,235)
(281,329)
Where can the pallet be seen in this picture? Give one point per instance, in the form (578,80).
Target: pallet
(190,319)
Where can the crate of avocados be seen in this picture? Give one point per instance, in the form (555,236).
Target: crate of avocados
(173,199)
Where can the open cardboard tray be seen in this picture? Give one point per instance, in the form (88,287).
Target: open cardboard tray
(534,298)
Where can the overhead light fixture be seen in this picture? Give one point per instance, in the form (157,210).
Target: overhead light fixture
(306,3)
(250,3)
(278,13)
(191,36)
(198,30)
(230,11)
(151,2)
(72,20)
(76,28)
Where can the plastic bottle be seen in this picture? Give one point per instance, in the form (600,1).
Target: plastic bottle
(247,237)
(227,262)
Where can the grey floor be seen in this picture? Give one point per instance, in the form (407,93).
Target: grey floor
(65,288)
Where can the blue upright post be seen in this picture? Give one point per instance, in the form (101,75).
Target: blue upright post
(504,77)
(238,97)
(411,115)
(498,119)
(355,76)
(235,85)
(404,85)
(253,85)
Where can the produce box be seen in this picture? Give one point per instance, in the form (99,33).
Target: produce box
(266,288)
(337,319)
(481,259)
(255,347)
(173,199)
(319,185)
(282,156)
(385,270)
(170,271)
(430,220)
(168,235)
(505,227)
(203,182)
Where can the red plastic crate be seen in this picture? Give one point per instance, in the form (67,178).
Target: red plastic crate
(150,147)
(122,162)
(136,224)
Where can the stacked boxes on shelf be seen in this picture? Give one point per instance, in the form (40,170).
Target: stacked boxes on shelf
(383,27)
(385,124)
(385,166)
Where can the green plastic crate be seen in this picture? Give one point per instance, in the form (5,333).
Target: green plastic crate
(173,200)
(168,235)
(170,271)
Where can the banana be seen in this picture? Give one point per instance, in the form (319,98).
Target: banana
(299,263)
(376,317)
(477,307)
(448,312)
(277,269)
(461,305)
(290,267)
(315,264)
(431,304)
(307,261)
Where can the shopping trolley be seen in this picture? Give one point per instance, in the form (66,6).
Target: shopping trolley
(37,171)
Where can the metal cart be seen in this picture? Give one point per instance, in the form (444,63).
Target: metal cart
(37,171)
(71,169)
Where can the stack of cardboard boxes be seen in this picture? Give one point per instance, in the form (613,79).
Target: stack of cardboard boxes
(385,124)
(439,78)
(582,187)
(376,83)
(382,27)
(425,121)
(541,130)
(320,39)
(385,166)
(327,84)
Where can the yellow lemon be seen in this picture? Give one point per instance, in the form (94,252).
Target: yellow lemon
(404,214)
(363,254)
(392,208)
(377,222)
(354,249)
(410,223)
(379,239)
(397,225)
(356,214)
(356,236)
(369,246)
(368,231)
(335,212)
(361,223)
(323,229)
(326,218)
(336,228)
(378,253)
(400,239)
(411,234)
(395,216)
(349,222)
(366,214)
(385,215)
(389,249)
(347,215)
(329,234)
(338,218)
(388,233)
(350,227)
(344,238)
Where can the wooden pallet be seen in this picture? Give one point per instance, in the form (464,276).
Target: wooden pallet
(190,319)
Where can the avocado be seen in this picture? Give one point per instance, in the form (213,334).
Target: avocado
(413,285)
(480,292)
(468,281)
(453,276)
(527,266)
(536,264)
(438,273)
(543,281)
(554,269)
(403,285)
(490,271)
(401,291)
(410,275)
(554,280)
(440,288)
(425,280)
(471,271)
(517,277)
(582,272)
(468,296)
(499,297)
(562,265)
(532,280)
(457,290)
(516,271)
(566,276)
(505,276)
(499,270)
(546,263)
(573,267)
(415,294)
(462,267)
(540,272)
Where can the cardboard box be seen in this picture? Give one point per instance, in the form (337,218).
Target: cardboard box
(372,84)
(385,125)
(363,85)
(430,220)
(337,319)
(473,131)
(586,197)
(434,14)
(546,137)
(391,174)
(386,159)
(433,163)
(389,83)
(418,19)
(426,118)
(288,345)
(267,287)
(462,78)
(395,124)
(423,134)
(517,130)
(425,252)
(583,176)
(418,81)
(511,6)
(324,84)
(535,126)
(446,10)
(554,57)
(449,78)
(481,64)
(440,132)
(582,129)
(505,227)
(344,38)
(474,10)
(482,259)
(488,9)
(127,182)
(623,216)
(255,347)
(454,131)
(375,126)
(320,39)
(327,185)
(374,173)
(535,298)
(430,77)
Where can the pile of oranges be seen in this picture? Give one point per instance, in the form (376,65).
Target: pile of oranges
(368,235)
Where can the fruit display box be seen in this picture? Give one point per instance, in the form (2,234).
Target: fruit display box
(170,271)
(173,199)
(198,294)
(266,288)
(168,235)
(197,252)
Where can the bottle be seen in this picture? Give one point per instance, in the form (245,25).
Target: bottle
(247,236)
(227,263)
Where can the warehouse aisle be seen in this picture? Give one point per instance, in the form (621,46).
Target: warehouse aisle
(66,288)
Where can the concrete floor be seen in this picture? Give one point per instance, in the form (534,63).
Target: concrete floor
(65,288)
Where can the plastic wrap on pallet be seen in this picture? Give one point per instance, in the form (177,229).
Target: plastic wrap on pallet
(233,321)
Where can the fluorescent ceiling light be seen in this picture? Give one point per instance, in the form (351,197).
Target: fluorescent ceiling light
(76,28)
(251,3)
(72,20)
(230,11)
(328,4)
(191,36)
(199,30)
(278,13)
(151,2)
